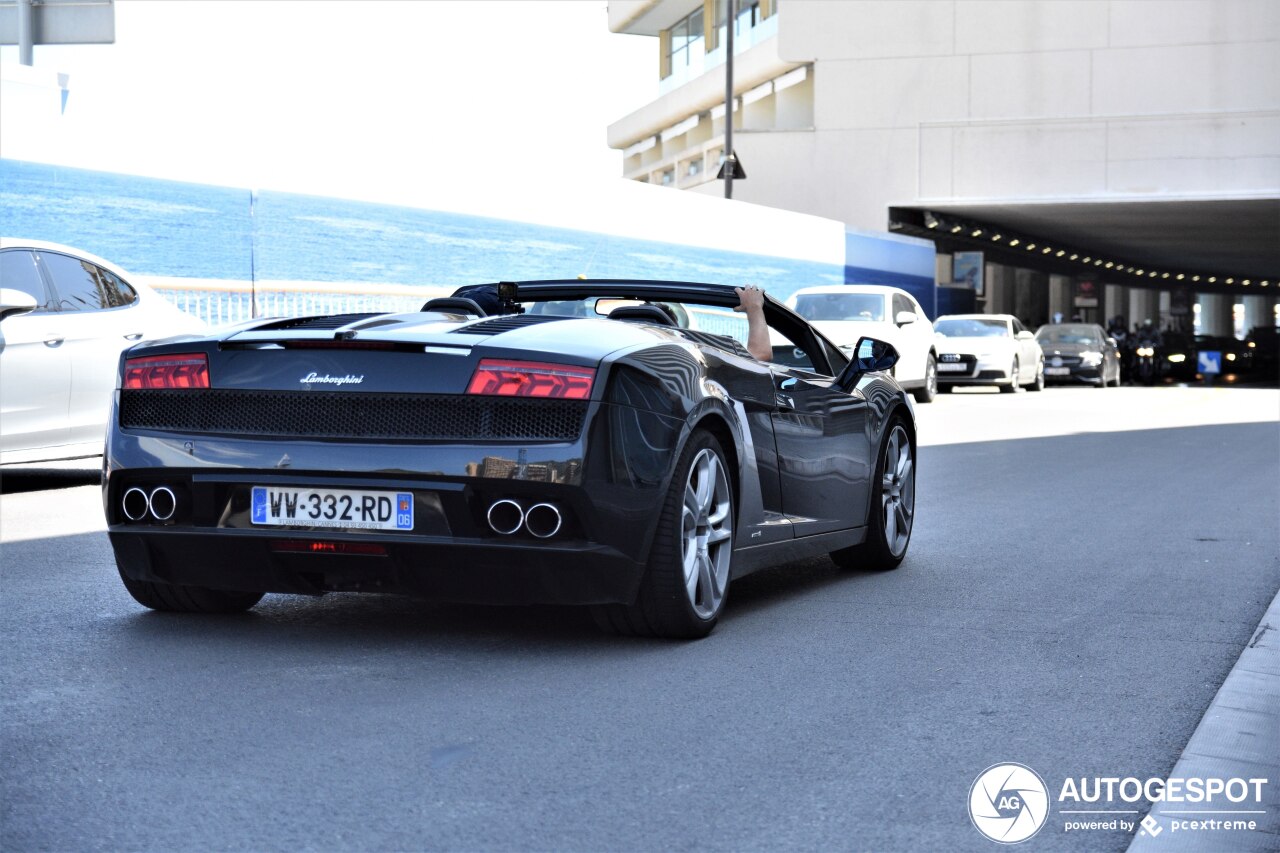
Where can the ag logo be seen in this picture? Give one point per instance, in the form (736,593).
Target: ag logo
(1008,803)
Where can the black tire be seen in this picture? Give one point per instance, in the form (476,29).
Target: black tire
(1012,387)
(877,552)
(173,598)
(665,606)
(929,390)
(1038,383)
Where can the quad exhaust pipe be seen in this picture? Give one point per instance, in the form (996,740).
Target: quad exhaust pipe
(160,503)
(507,516)
(543,520)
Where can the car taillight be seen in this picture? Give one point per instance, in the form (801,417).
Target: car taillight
(182,370)
(504,378)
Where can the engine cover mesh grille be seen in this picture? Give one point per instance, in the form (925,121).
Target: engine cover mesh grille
(351,416)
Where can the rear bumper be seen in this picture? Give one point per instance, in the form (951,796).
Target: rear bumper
(426,567)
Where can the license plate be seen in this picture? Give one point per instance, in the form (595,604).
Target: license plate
(346,509)
(1057,371)
(954,368)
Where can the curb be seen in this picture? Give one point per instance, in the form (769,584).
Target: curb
(1238,737)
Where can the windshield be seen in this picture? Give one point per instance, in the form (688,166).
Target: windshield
(1068,335)
(866,307)
(971,327)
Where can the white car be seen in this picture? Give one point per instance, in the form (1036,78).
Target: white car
(987,349)
(65,316)
(846,312)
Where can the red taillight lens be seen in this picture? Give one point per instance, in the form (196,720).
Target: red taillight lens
(531,379)
(184,370)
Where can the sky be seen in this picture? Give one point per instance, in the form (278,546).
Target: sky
(488,107)
(370,99)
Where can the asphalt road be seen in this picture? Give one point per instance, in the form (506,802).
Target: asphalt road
(1086,567)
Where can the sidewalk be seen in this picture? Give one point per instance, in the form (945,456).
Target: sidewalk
(1239,737)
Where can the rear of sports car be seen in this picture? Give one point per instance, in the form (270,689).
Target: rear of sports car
(420,454)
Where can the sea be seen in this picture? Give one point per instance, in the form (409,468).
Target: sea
(173,229)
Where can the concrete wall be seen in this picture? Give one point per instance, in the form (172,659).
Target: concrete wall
(982,99)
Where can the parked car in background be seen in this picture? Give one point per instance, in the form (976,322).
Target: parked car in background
(1177,357)
(846,312)
(1079,352)
(1236,355)
(987,349)
(1264,342)
(65,317)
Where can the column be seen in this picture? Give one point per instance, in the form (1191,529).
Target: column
(1029,300)
(1216,314)
(1259,311)
(1061,291)
(1115,301)
(1000,281)
(1144,305)
(1166,310)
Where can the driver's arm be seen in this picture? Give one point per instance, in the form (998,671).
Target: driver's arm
(751,303)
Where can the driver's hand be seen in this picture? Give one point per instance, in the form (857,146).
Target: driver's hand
(750,298)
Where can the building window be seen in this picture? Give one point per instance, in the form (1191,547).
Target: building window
(686,42)
(668,177)
(749,15)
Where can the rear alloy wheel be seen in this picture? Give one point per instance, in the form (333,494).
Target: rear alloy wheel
(683,592)
(1013,380)
(893,507)
(1038,383)
(174,598)
(926,393)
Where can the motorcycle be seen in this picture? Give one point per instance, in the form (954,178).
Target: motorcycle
(1144,363)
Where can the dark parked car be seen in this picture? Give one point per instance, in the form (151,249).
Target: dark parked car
(1236,356)
(632,459)
(1079,353)
(1176,356)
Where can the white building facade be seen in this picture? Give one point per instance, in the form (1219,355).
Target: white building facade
(1143,134)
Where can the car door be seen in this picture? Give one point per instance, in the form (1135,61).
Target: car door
(97,327)
(35,371)
(823,452)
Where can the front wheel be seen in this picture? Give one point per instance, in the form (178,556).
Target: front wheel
(893,501)
(1013,380)
(1038,383)
(684,589)
(175,598)
(926,393)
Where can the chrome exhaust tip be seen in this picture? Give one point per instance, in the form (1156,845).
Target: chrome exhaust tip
(163,502)
(505,516)
(543,520)
(135,504)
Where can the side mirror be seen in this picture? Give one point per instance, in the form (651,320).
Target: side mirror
(1024,336)
(13,302)
(869,356)
(1111,342)
(905,317)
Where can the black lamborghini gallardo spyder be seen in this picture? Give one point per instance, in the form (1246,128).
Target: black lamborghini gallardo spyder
(604,443)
